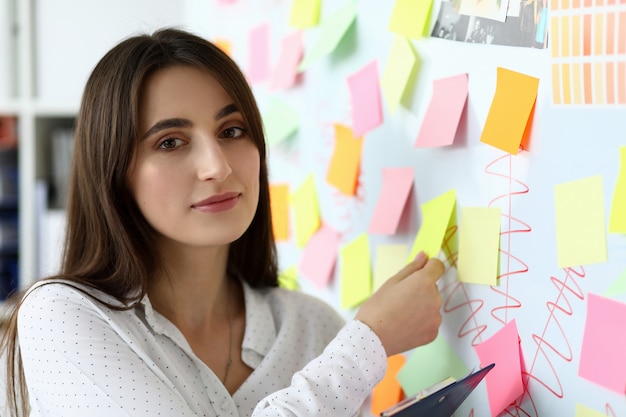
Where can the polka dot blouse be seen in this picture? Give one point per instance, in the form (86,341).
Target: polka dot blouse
(82,359)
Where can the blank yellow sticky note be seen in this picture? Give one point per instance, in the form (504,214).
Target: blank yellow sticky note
(584,411)
(388,392)
(479,245)
(389,260)
(355,272)
(410,17)
(343,170)
(305,210)
(279,204)
(580,224)
(510,111)
(398,71)
(436,216)
(304,13)
(617,221)
(289,278)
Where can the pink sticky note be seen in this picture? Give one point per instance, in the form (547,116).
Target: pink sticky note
(365,99)
(286,69)
(504,381)
(602,358)
(259,53)
(320,254)
(444,112)
(397,184)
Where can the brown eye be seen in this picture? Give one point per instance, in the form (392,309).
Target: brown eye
(169,143)
(233,132)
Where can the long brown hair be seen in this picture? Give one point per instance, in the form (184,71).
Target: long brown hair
(107,242)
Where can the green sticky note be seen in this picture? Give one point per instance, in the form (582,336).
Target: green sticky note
(332,31)
(397,73)
(479,245)
(618,287)
(355,272)
(306,211)
(280,121)
(580,224)
(436,216)
(430,364)
(411,17)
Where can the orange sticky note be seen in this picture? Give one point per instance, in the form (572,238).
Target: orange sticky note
(225,45)
(343,170)
(444,112)
(279,206)
(511,110)
(388,392)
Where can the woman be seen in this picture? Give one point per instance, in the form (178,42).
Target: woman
(167,302)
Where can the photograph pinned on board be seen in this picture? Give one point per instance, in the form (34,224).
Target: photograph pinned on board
(527,29)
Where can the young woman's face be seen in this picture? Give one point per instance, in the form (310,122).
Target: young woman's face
(195,176)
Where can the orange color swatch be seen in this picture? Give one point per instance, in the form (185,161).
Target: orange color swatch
(343,170)
(279,203)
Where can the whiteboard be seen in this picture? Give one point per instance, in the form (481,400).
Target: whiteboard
(568,143)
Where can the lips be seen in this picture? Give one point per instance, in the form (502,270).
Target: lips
(218,202)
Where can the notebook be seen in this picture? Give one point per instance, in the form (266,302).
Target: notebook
(440,400)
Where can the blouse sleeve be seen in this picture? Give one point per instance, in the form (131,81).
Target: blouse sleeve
(335,383)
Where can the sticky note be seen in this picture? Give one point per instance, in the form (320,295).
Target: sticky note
(279,206)
(332,30)
(602,359)
(289,279)
(584,411)
(580,224)
(318,260)
(305,210)
(504,381)
(400,66)
(510,111)
(304,13)
(410,18)
(280,122)
(365,99)
(436,216)
(224,44)
(396,188)
(286,69)
(355,272)
(430,364)
(343,170)
(388,391)
(259,53)
(444,112)
(479,245)
(618,286)
(390,259)
(617,221)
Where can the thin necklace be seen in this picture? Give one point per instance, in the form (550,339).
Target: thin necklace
(230,340)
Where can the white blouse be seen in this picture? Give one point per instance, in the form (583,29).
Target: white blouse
(82,359)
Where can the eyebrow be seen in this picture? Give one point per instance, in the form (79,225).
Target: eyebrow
(180,122)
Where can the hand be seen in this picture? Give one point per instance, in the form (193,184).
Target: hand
(405,311)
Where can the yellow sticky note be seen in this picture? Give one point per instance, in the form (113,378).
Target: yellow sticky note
(584,411)
(479,245)
(279,205)
(289,279)
(306,211)
(355,272)
(344,164)
(410,17)
(388,391)
(511,110)
(304,13)
(617,221)
(389,260)
(398,71)
(436,216)
(580,224)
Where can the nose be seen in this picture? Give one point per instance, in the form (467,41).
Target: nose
(212,161)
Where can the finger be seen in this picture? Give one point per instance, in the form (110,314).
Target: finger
(413,266)
(434,269)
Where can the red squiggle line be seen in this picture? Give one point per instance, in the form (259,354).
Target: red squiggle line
(500,313)
(609,410)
